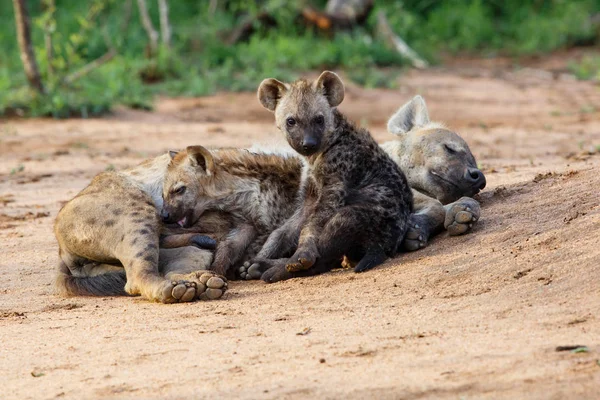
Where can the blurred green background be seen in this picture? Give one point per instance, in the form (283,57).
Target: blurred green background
(202,58)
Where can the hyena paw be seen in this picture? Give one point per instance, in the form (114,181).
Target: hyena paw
(252,270)
(207,286)
(461,216)
(303,259)
(276,273)
(178,291)
(417,234)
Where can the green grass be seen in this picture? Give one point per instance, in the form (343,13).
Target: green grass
(199,62)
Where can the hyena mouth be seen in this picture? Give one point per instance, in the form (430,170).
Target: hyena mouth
(182,222)
(448,181)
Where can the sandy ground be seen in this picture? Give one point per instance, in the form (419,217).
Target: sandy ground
(477,316)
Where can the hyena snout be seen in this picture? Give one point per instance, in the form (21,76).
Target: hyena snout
(310,144)
(165,215)
(475,178)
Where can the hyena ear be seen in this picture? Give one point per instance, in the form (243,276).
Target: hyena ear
(200,157)
(330,84)
(269,93)
(172,153)
(411,115)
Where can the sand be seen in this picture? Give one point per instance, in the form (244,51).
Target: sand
(475,316)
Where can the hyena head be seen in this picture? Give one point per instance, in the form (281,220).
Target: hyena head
(187,186)
(436,160)
(304,111)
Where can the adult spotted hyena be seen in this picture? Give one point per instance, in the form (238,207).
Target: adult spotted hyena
(109,237)
(357,202)
(440,169)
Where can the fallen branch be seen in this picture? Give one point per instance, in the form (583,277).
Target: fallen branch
(86,69)
(147,23)
(245,29)
(339,14)
(383,27)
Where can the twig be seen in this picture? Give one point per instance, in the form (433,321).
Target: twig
(400,45)
(147,23)
(86,69)
(165,28)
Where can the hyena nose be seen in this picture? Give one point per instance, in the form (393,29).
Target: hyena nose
(309,144)
(476,178)
(164,215)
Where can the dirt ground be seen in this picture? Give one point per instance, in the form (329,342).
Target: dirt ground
(477,316)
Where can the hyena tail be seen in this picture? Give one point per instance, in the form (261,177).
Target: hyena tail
(108,284)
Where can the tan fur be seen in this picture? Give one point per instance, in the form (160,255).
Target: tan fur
(111,228)
(438,164)
(258,191)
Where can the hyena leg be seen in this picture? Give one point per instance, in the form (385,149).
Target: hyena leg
(231,250)
(187,239)
(284,239)
(461,215)
(191,264)
(280,243)
(344,234)
(426,220)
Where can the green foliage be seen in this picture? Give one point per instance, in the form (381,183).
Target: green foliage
(587,68)
(200,62)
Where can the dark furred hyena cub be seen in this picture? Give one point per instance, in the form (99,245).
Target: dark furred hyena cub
(357,200)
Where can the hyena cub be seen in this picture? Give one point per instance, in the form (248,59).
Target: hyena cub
(357,201)
(258,191)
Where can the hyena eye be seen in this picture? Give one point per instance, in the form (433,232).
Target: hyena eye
(179,190)
(449,149)
(290,121)
(320,120)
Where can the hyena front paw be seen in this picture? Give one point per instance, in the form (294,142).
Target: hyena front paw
(177,291)
(276,273)
(252,270)
(256,268)
(417,234)
(207,285)
(303,259)
(461,215)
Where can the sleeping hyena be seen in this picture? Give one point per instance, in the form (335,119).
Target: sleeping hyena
(440,169)
(109,237)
